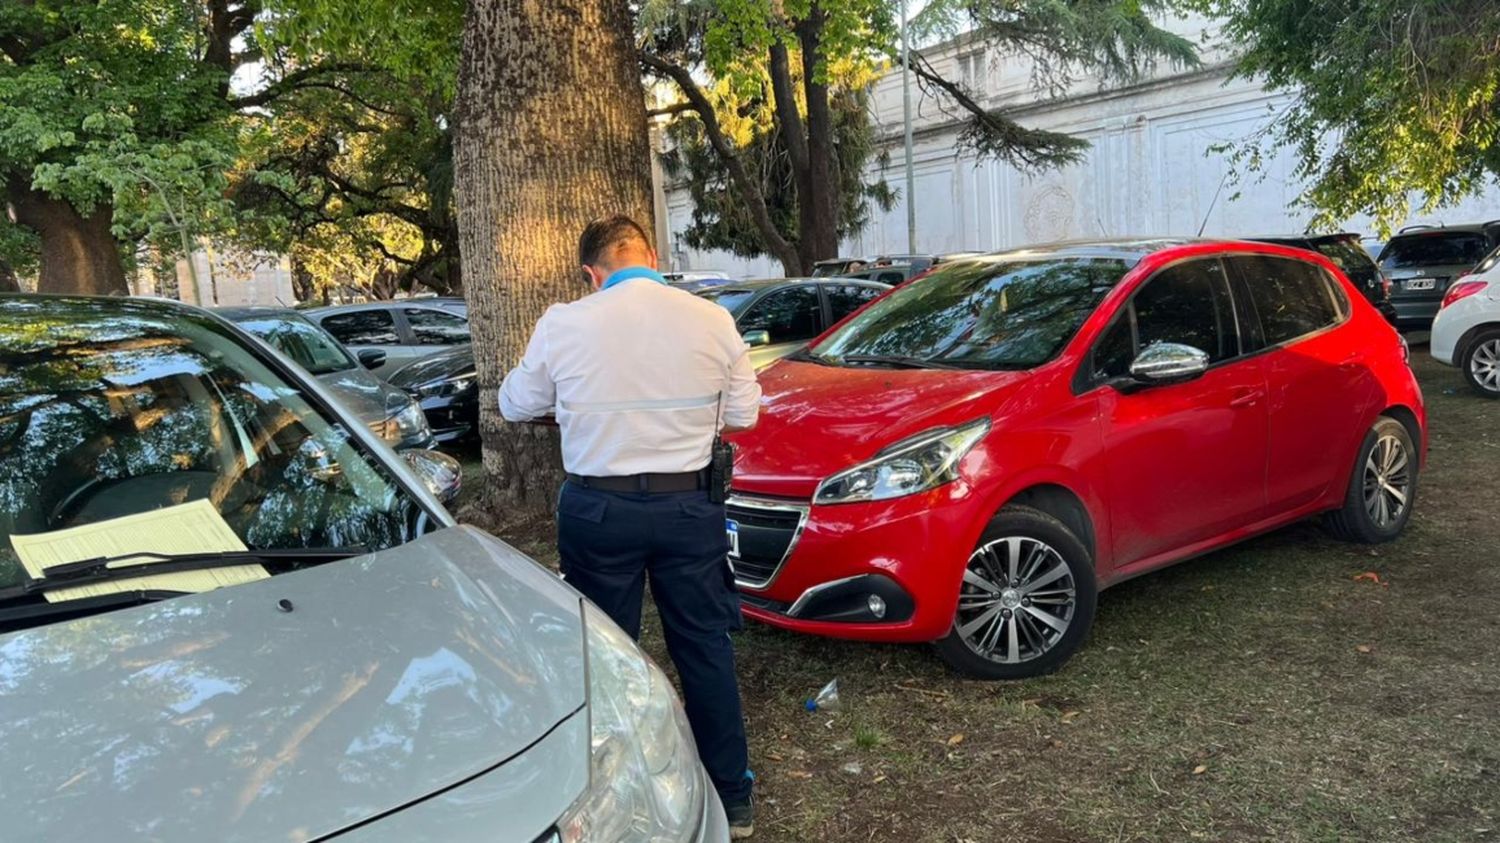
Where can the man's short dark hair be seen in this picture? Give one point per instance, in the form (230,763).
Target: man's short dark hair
(606,234)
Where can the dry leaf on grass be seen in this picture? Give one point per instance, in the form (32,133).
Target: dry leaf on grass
(956,739)
(798,774)
(1364,648)
(1200,769)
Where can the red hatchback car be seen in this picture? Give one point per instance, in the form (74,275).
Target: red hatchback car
(969,458)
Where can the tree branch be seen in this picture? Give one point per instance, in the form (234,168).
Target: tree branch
(749,189)
(296,80)
(993,135)
(674,108)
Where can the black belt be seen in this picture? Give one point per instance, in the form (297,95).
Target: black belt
(685,481)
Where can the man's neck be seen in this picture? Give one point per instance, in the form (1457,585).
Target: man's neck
(631,273)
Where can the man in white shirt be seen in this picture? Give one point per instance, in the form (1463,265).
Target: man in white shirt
(641,377)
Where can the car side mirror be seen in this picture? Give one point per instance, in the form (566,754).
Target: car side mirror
(440,473)
(757,337)
(371,358)
(1168,362)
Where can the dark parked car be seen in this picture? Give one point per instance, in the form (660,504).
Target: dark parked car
(894,274)
(448,390)
(1422,261)
(404,330)
(698,279)
(839,266)
(1346,250)
(777,316)
(385,409)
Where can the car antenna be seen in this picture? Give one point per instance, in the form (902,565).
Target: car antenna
(1209,212)
(1103,232)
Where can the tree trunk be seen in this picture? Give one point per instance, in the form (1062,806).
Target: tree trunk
(551,133)
(818,200)
(79,254)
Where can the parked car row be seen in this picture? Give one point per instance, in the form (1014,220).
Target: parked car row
(965,459)
(417,351)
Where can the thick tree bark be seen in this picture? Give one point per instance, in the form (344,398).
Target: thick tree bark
(79,254)
(551,133)
(818,190)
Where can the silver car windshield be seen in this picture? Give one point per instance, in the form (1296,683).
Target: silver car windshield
(313,348)
(111,408)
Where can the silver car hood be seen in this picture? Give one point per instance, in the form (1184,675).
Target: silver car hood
(221,716)
(367,396)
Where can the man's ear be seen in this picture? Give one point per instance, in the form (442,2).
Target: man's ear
(651,259)
(594,276)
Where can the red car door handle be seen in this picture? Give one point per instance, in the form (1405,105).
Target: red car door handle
(1245,398)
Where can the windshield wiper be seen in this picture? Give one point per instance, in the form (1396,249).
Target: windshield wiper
(805,355)
(97,569)
(895,360)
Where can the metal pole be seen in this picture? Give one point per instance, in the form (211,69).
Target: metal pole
(911,195)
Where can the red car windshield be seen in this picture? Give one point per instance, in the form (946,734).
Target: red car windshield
(1001,314)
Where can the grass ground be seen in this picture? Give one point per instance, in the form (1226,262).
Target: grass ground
(1272,691)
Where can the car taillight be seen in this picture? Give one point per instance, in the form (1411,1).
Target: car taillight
(1462,289)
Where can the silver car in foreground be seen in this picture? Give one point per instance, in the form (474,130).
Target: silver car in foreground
(388,676)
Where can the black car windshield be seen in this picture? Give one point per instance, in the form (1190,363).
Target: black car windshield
(310,346)
(1007,313)
(113,408)
(733,301)
(1454,248)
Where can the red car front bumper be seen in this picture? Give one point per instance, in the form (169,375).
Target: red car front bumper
(914,546)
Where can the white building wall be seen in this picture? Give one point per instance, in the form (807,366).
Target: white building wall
(1151,169)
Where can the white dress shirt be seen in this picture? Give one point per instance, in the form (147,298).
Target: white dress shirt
(635,374)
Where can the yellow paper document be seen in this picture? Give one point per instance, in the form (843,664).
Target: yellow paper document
(187,528)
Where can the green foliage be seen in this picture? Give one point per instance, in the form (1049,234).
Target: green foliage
(355,179)
(110,103)
(1391,97)
(1117,39)
(728,41)
(720,219)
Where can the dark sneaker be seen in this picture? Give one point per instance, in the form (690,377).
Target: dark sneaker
(741,819)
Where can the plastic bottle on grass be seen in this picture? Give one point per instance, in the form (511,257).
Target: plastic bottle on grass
(826,700)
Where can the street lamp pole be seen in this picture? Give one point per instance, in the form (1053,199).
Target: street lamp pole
(911,196)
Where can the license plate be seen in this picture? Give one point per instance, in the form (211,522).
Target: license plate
(732,529)
(1417,284)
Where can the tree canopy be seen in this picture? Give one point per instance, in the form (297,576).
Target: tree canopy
(772,129)
(116,108)
(1390,98)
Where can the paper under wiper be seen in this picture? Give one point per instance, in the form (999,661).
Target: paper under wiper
(195,527)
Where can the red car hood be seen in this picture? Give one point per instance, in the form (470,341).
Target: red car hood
(816,420)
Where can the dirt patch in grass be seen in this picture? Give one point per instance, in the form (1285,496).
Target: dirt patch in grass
(1265,692)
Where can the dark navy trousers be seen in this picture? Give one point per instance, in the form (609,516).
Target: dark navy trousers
(610,543)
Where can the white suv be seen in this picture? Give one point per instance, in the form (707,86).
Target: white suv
(1466,332)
